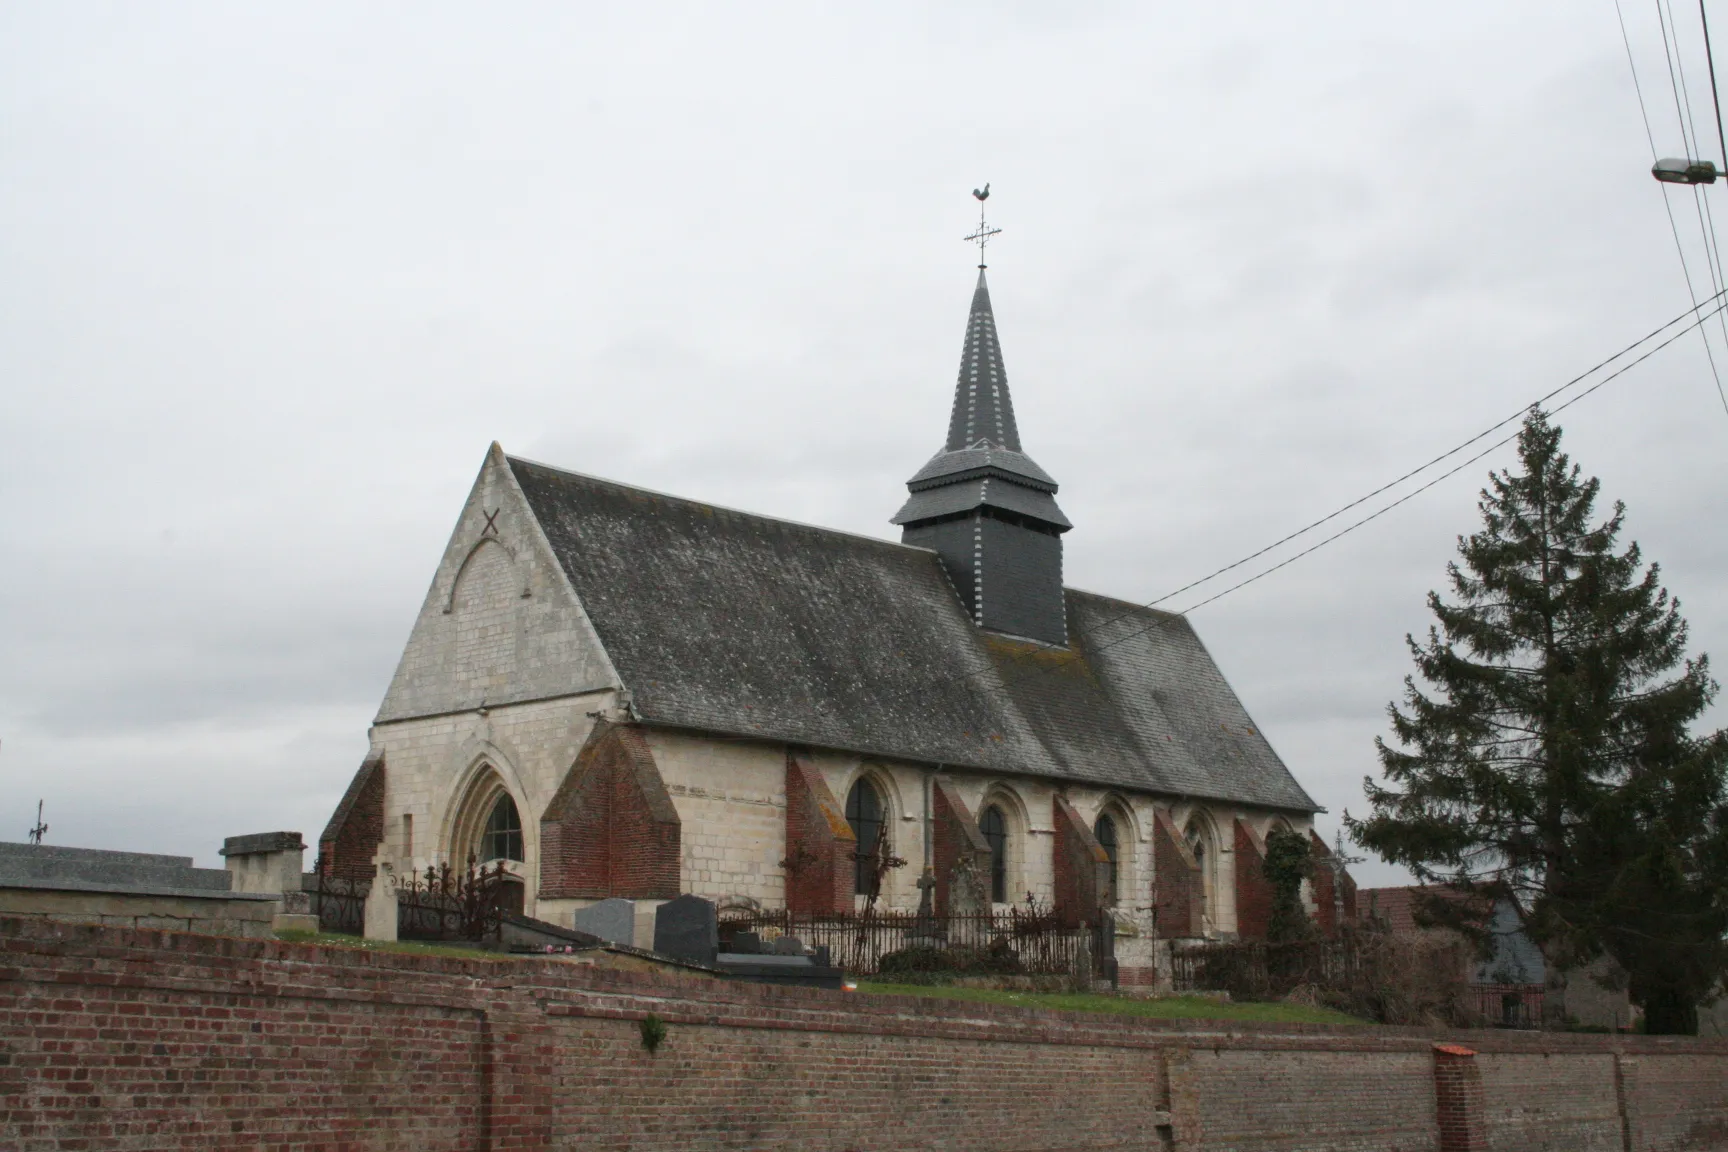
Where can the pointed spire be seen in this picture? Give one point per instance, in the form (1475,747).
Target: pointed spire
(983,412)
(986,509)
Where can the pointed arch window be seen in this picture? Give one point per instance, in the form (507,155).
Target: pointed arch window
(994,825)
(864,813)
(502,838)
(1105,831)
(1199,844)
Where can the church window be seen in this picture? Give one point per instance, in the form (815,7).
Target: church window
(864,813)
(1105,831)
(1197,845)
(502,839)
(995,828)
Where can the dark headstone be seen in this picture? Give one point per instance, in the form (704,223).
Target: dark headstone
(687,929)
(746,943)
(612,920)
(823,958)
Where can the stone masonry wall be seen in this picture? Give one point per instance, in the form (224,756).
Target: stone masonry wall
(210,915)
(128,1040)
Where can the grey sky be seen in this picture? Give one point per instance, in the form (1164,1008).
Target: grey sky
(272,279)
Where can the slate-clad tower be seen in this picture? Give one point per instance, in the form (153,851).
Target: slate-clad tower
(985,507)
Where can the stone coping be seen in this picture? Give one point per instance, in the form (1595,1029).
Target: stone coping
(12,849)
(121,888)
(262,842)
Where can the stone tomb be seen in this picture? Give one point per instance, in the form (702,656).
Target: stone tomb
(687,929)
(612,920)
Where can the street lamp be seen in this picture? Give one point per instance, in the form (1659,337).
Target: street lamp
(1677,171)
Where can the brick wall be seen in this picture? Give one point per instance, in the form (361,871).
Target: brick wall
(1253,893)
(819,843)
(1082,870)
(611,829)
(356,828)
(956,843)
(126,1039)
(1176,895)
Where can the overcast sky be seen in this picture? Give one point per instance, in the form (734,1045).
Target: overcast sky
(272,278)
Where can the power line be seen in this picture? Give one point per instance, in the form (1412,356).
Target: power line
(1698,316)
(1722,142)
(1718,307)
(1673,226)
(1700,202)
(1420,468)
(1672,56)
(1715,98)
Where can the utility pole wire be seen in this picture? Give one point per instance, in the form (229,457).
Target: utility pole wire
(1698,316)
(1689,134)
(1715,98)
(1673,227)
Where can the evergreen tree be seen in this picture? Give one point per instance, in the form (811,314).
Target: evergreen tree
(1548,753)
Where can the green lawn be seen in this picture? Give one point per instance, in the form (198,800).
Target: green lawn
(1170,1008)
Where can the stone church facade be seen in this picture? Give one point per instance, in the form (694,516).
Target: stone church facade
(623,693)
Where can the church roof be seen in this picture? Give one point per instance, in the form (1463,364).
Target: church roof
(746,625)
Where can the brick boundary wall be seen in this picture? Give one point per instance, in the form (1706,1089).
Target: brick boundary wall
(128,1039)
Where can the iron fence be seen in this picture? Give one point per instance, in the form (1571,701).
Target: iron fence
(1024,942)
(444,903)
(1509,1005)
(1257,970)
(339,903)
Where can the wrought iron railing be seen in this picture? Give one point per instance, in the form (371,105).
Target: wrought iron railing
(338,902)
(1257,970)
(445,903)
(1509,1005)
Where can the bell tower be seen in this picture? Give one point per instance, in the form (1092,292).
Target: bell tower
(982,504)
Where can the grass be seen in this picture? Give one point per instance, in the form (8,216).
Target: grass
(407,947)
(1168,1008)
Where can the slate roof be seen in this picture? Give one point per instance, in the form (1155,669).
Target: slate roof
(982,463)
(739,624)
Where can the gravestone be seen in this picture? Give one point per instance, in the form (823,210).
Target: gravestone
(612,920)
(687,929)
(788,946)
(746,943)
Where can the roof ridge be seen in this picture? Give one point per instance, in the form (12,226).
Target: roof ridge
(894,545)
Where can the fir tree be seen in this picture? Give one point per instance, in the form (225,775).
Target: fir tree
(1548,752)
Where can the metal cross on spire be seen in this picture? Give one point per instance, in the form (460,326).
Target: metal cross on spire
(982,236)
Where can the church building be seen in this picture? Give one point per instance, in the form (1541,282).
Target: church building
(618,692)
